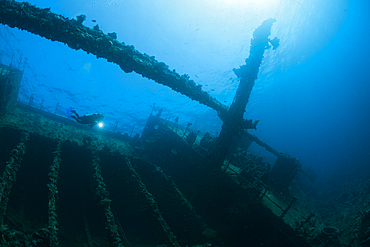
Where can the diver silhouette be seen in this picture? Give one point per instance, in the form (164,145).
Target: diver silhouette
(89,119)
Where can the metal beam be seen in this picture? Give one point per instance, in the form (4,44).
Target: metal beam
(234,125)
(77,36)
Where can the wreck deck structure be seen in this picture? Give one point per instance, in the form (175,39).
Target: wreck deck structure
(165,177)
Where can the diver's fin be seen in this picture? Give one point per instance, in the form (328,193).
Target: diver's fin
(68,112)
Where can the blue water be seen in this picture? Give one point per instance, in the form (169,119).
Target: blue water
(311,95)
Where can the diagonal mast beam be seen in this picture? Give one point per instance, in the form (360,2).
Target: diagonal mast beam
(77,36)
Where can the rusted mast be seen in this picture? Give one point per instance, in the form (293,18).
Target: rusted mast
(234,124)
(77,36)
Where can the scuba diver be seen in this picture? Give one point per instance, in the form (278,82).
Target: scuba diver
(89,119)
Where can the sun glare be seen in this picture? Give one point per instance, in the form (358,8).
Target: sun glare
(257,3)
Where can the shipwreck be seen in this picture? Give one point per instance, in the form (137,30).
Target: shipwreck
(64,184)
